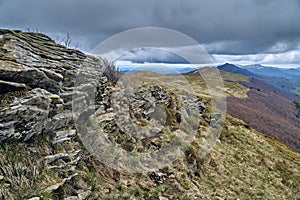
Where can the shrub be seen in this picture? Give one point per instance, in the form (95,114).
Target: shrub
(111,72)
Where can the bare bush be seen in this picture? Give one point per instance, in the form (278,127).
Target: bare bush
(111,72)
(68,40)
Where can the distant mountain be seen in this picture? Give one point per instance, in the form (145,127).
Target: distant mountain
(292,74)
(279,82)
(234,69)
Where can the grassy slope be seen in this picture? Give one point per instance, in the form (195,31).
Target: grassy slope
(231,88)
(279,82)
(252,166)
(266,109)
(244,164)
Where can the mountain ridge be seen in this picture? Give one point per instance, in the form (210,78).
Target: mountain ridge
(292,74)
(279,82)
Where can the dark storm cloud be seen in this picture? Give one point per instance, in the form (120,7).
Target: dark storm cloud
(225,27)
(146,55)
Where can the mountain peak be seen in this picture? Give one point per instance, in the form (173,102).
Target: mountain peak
(235,69)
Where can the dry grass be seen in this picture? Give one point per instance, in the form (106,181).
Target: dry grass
(244,164)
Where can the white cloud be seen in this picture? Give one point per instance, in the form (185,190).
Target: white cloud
(288,58)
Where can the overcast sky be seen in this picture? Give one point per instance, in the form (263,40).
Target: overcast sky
(262,31)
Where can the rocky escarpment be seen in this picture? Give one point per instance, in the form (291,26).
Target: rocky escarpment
(37,81)
(45,89)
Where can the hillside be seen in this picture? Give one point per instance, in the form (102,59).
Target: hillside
(280,82)
(292,74)
(236,70)
(268,113)
(260,85)
(51,94)
(265,108)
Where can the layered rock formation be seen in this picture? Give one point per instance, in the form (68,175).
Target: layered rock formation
(37,81)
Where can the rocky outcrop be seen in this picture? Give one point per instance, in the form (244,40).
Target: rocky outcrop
(39,82)
(45,89)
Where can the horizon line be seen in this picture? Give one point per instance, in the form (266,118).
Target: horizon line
(275,65)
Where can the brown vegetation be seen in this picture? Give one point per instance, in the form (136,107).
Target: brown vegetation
(260,85)
(270,114)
